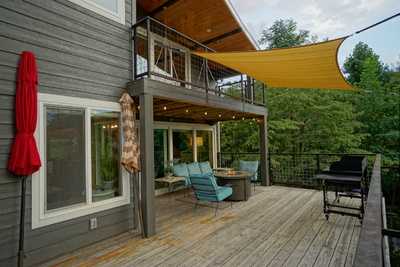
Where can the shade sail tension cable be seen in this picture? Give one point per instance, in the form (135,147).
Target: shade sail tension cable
(376,24)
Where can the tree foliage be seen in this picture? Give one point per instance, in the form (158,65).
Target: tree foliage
(283,34)
(354,64)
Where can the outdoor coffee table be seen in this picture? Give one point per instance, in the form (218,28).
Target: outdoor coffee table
(240,182)
(171,181)
(349,182)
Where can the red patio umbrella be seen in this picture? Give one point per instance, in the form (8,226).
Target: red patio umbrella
(24,159)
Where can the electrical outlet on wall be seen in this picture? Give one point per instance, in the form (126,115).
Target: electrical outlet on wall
(93,223)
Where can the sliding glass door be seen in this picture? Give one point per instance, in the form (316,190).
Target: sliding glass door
(182,141)
(204,143)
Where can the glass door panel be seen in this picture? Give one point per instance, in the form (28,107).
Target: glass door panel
(182,141)
(204,146)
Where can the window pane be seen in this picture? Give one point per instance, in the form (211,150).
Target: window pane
(65,157)
(105,148)
(160,152)
(204,146)
(111,5)
(183,145)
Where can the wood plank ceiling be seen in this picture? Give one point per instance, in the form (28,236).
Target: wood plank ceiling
(170,110)
(208,21)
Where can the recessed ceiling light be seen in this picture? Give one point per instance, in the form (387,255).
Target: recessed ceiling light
(165,107)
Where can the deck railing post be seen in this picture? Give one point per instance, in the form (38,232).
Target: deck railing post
(318,164)
(263,94)
(264,170)
(134,53)
(148,28)
(241,86)
(206,76)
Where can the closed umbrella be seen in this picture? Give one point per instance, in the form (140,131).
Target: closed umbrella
(130,150)
(24,158)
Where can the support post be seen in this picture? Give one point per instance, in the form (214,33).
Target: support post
(149,49)
(147,164)
(265,179)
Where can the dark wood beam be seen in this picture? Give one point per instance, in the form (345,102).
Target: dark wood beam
(222,36)
(263,131)
(162,7)
(147,163)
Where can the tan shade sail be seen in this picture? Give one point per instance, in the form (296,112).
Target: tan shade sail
(309,66)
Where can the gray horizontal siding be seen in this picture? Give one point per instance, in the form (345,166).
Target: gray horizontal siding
(79,53)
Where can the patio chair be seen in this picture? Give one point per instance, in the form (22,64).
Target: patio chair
(206,189)
(252,167)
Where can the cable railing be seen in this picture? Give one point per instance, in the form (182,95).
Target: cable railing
(162,53)
(291,169)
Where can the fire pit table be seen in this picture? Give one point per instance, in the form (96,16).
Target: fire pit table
(239,181)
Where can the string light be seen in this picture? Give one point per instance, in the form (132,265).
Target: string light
(233,117)
(205,113)
(165,107)
(187,111)
(219,115)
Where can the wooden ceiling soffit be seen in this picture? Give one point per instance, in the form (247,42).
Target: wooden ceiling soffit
(162,7)
(212,22)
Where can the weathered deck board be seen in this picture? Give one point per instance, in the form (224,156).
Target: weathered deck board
(278,226)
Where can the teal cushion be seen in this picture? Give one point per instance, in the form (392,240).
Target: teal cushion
(223,192)
(180,170)
(250,166)
(194,168)
(205,167)
(206,188)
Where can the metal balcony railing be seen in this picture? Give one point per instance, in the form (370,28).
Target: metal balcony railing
(164,54)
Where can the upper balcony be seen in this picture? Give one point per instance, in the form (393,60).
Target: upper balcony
(164,54)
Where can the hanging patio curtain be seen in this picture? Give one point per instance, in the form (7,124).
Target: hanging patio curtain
(308,66)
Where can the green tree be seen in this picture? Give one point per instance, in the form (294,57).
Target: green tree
(283,34)
(353,65)
(378,104)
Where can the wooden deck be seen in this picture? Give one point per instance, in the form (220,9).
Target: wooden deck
(278,226)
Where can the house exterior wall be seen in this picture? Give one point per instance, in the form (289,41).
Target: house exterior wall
(79,53)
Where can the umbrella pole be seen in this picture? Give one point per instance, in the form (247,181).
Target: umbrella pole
(138,203)
(22,223)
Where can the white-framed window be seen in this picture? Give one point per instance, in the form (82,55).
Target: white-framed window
(80,142)
(112,9)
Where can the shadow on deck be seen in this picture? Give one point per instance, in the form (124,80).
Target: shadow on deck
(278,226)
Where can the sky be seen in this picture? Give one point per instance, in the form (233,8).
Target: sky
(331,19)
